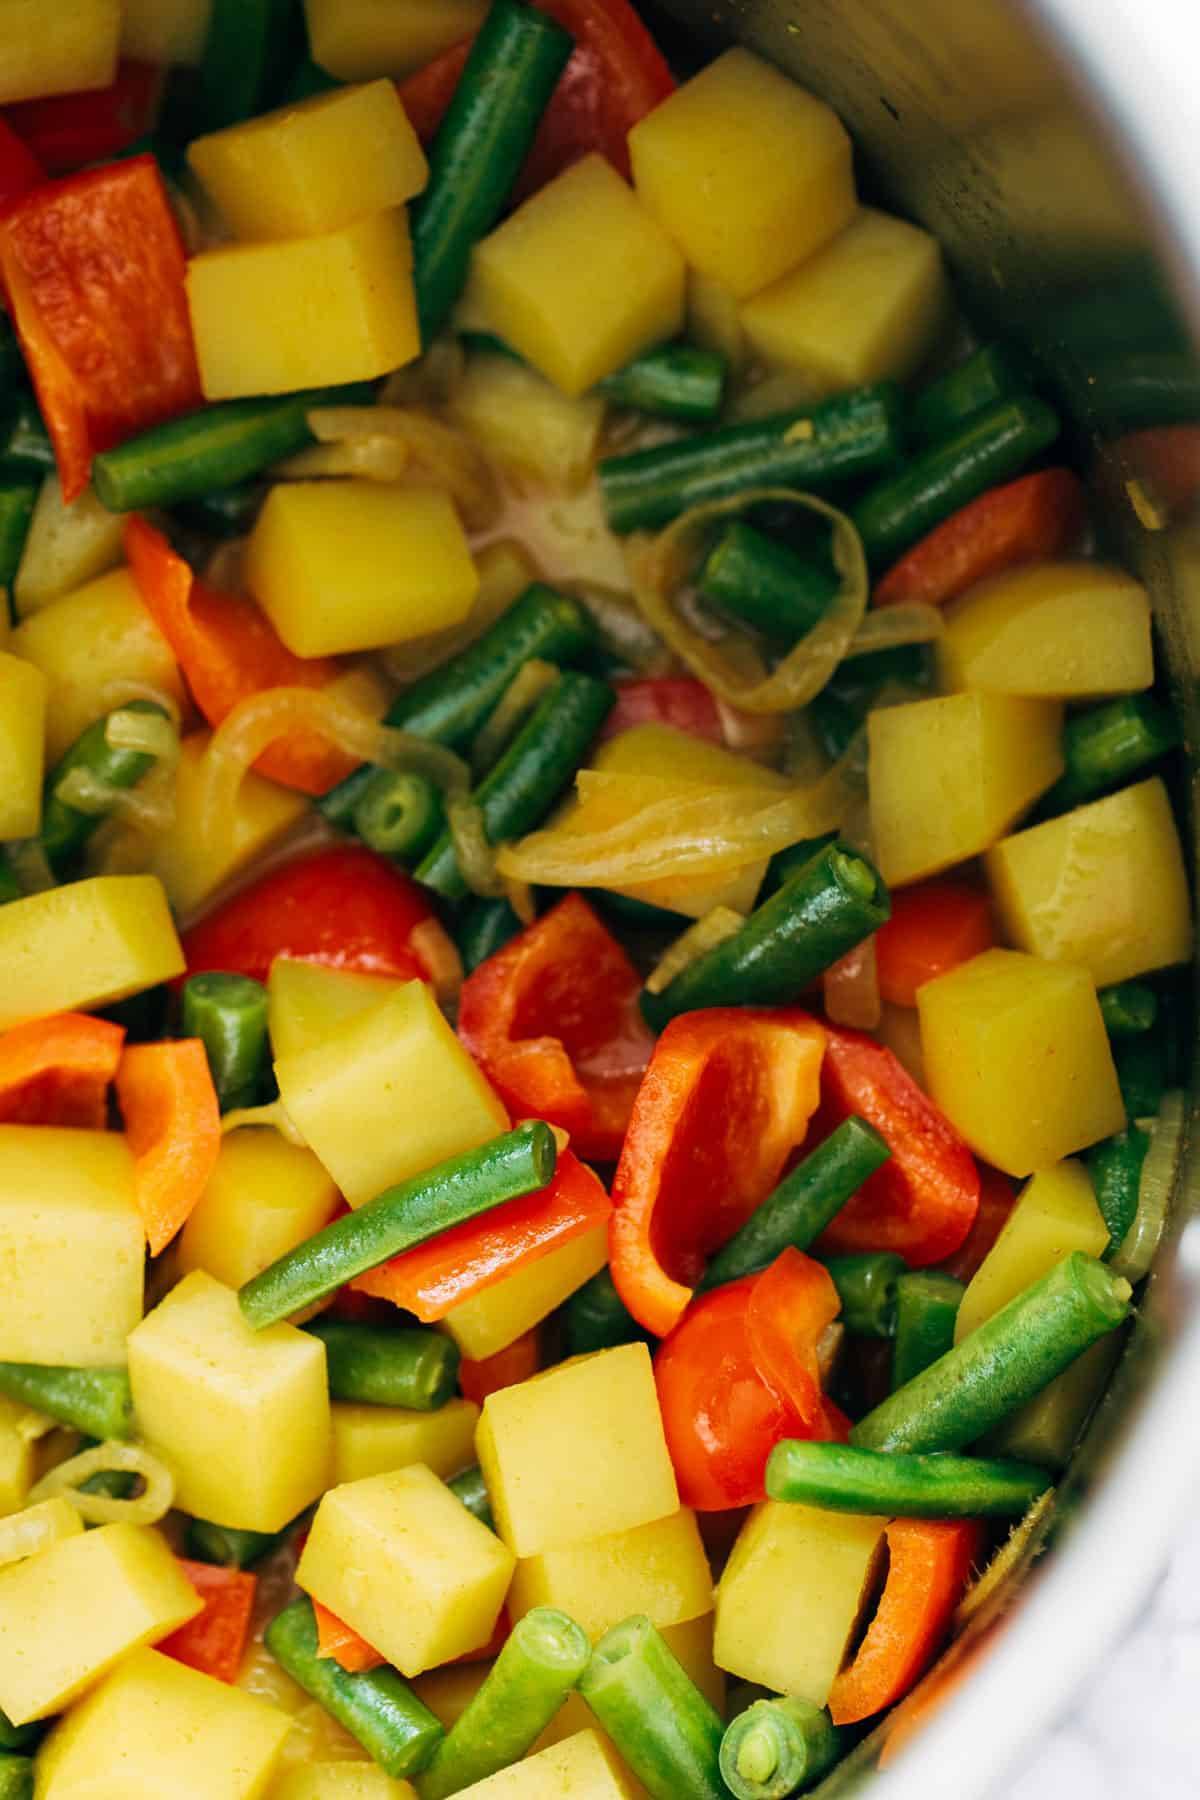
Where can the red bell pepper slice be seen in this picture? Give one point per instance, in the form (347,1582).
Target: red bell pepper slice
(173,1127)
(67,131)
(466,1260)
(343,907)
(615,76)
(20,169)
(728,1093)
(515,1363)
(340,1641)
(923,1201)
(997,1197)
(1036,516)
(738,1373)
(929,1565)
(57,1071)
(94,270)
(215,1640)
(934,926)
(676,700)
(1164,459)
(553,1022)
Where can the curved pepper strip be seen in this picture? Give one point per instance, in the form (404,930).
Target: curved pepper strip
(552,1020)
(929,1564)
(340,1641)
(215,1640)
(173,1127)
(57,1071)
(728,1094)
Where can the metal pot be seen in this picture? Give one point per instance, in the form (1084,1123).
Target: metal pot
(1050,146)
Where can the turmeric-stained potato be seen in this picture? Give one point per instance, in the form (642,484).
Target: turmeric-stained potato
(584,1766)
(497,1316)
(1055,1214)
(264,1197)
(374,1440)
(1057,630)
(358,39)
(23,690)
(85,945)
(658,1569)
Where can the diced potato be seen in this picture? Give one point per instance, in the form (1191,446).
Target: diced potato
(155,1726)
(374,1440)
(658,1569)
(57,49)
(74,948)
(402,1561)
(1017,1057)
(747,172)
(264,1197)
(16,1453)
(97,646)
(1104,886)
(584,1766)
(240,1416)
(791,1595)
(313,167)
(165,31)
(72,1245)
(38,1527)
(190,865)
(306,1001)
(865,308)
(949,776)
(448,1691)
(1046,1429)
(341,1781)
(502,1313)
(1054,1215)
(23,691)
(714,318)
(351,565)
(389,1094)
(592,1415)
(525,424)
(1056,630)
(68,1613)
(66,546)
(305,312)
(357,39)
(543,280)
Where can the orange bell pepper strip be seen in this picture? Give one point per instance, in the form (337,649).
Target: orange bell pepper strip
(57,1071)
(215,1640)
(94,270)
(934,926)
(929,1564)
(552,1019)
(516,1362)
(728,1093)
(470,1258)
(340,1641)
(173,1127)
(228,650)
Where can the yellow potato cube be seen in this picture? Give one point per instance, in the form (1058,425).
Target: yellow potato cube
(714,318)
(746,171)
(389,1094)
(374,1440)
(305,312)
(16,1454)
(1046,1429)
(584,1766)
(264,1197)
(544,279)
(448,1691)
(65,547)
(68,1613)
(357,39)
(1017,1057)
(525,424)
(23,690)
(822,1562)
(89,644)
(1104,886)
(949,776)
(1056,630)
(865,308)
(84,945)
(57,49)
(157,1727)
(306,1001)
(1054,1215)
(594,1415)
(240,1416)
(72,1246)
(402,1561)
(341,1781)
(502,1313)
(658,1569)
(165,31)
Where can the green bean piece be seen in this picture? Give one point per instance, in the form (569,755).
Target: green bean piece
(660,1722)
(97,1402)
(10,887)
(839,1478)
(1115,1168)
(228,1013)
(836,722)
(537,1668)
(1002,1363)
(518,792)
(927,1304)
(399,814)
(224,512)
(17,501)
(1141,1064)
(1152,387)
(1128,1009)
(991,447)
(20,1737)
(377,1707)
(1108,745)
(244,55)
(510,73)
(866,1283)
(766,584)
(596,1317)
(990,374)
(675,381)
(307,80)
(66,828)
(388,1365)
(26,453)
(778,1747)
(786,863)
(16,1777)
(470,1487)
(485,927)
(429,1203)
(229,1546)
(814,448)
(803,1204)
(835,901)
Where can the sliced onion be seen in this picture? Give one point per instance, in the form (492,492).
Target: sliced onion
(1134,1254)
(622,628)
(274,1115)
(514,705)
(392,443)
(117,694)
(887,627)
(146,1508)
(145,731)
(701,937)
(439,955)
